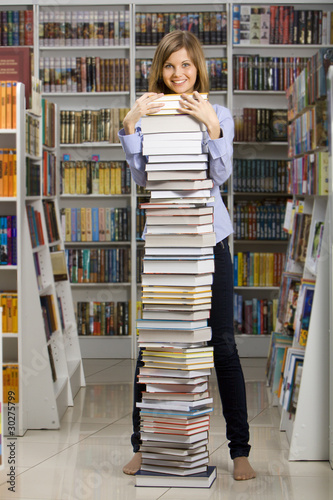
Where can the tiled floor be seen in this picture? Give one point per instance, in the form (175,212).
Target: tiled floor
(84,459)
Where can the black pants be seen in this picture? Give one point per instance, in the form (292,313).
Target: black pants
(226,360)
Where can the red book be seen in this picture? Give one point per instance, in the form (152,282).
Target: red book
(273,9)
(280,25)
(28,27)
(16,67)
(285,33)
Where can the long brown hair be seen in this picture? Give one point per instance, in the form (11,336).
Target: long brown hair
(169,44)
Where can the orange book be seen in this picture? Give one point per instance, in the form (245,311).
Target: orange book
(9,111)
(14,86)
(10,172)
(5,171)
(14,173)
(1,173)
(3,104)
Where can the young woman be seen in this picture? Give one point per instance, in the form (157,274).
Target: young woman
(179,67)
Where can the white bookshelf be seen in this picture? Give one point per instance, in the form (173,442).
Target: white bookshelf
(248,344)
(330,252)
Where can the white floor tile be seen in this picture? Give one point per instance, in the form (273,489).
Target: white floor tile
(84,459)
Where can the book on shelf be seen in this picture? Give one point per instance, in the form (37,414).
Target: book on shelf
(315,245)
(8,303)
(59,266)
(16,64)
(293,356)
(10,378)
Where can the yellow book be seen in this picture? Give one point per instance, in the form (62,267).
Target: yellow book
(113,178)
(262,269)
(240,268)
(68,224)
(72,187)
(14,88)
(9,313)
(10,173)
(83,224)
(3,116)
(101,177)
(14,173)
(1,172)
(84,177)
(66,177)
(9,111)
(5,172)
(88,224)
(15,314)
(118,178)
(256,269)
(78,177)
(107,178)
(270,269)
(3,303)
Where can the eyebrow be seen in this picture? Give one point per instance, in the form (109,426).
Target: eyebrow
(186,60)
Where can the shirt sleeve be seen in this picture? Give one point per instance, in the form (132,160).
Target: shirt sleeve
(132,146)
(221,150)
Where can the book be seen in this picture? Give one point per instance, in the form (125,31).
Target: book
(176,158)
(171,104)
(187,240)
(165,175)
(195,335)
(178,266)
(179,184)
(200,480)
(179,251)
(16,67)
(160,324)
(59,267)
(156,124)
(177,279)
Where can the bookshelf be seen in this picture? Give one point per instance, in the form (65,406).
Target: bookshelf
(309,227)
(234,99)
(330,239)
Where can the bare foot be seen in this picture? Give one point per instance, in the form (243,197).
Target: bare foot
(133,465)
(243,469)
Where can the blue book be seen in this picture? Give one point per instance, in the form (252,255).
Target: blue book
(95,224)
(235,270)
(73,224)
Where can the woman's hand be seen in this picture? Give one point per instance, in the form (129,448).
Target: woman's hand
(203,111)
(142,106)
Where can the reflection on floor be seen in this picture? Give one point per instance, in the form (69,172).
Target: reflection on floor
(84,459)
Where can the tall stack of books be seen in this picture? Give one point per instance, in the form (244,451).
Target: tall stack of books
(178,268)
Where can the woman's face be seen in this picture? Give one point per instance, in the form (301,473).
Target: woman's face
(179,72)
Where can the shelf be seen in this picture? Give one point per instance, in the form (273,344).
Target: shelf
(8,198)
(254,242)
(279,46)
(253,193)
(90,145)
(253,288)
(268,143)
(252,346)
(99,285)
(89,196)
(83,47)
(101,243)
(82,94)
(98,346)
(255,92)
(8,268)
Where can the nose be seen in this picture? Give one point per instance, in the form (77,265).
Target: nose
(177,70)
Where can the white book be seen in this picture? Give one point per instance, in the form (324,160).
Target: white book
(178,203)
(179,251)
(177,279)
(195,335)
(185,325)
(188,220)
(186,396)
(176,366)
(178,266)
(178,315)
(179,211)
(173,451)
(161,137)
(162,372)
(179,229)
(174,439)
(167,175)
(177,147)
(180,195)
(174,384)
(186,240)
(177,185)
(202,479)
(154,124)
(177,289)
(168,463)
(174,158)
(177,307)
(174,167)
